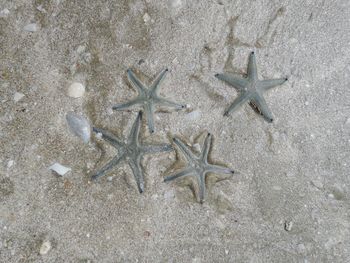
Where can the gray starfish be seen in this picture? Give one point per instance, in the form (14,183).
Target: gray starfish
(148,97)
(131,151)
(198,166)
(251,89)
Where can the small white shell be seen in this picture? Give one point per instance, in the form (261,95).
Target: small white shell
(79,126)
(45,247)
(60,169)
(76,90)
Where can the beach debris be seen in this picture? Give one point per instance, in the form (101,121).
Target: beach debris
(79,126)
(59,169)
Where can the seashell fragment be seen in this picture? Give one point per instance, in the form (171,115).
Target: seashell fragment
(31,27)
(59,169)
(76,90)
(79,126)
(18,96)
(45,247)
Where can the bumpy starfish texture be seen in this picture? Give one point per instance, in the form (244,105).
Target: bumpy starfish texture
(251,89)
(131,151)
(148,97)
(198,166)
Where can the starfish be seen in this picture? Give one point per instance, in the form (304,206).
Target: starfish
(198,165)
(251,89)
(131,151)
(148,97)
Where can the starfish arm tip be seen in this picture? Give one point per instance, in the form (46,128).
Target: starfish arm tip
(166,69)
(166,179)
(252,53)
(226,114)
(286,79)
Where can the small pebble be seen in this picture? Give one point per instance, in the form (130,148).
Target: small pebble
(196,147)
(76,90)
(59,169)
(31,27)
(146,18)
(10,163)
(18,96)
(99,135)
(45,247)
(4,13)
(288,225)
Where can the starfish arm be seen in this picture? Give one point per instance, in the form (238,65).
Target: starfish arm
(127,104)
(206,147)
(107,167)
(185,150)
(168,103)
(109,137)
(156,83)
(237,82)
(271,83)
(149,109)
(202,187)
(242,98)
(137,171)
(135,130)
(139,86)
(211,168)
(252,69)
(260,104)
(185,172)
(157,148)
